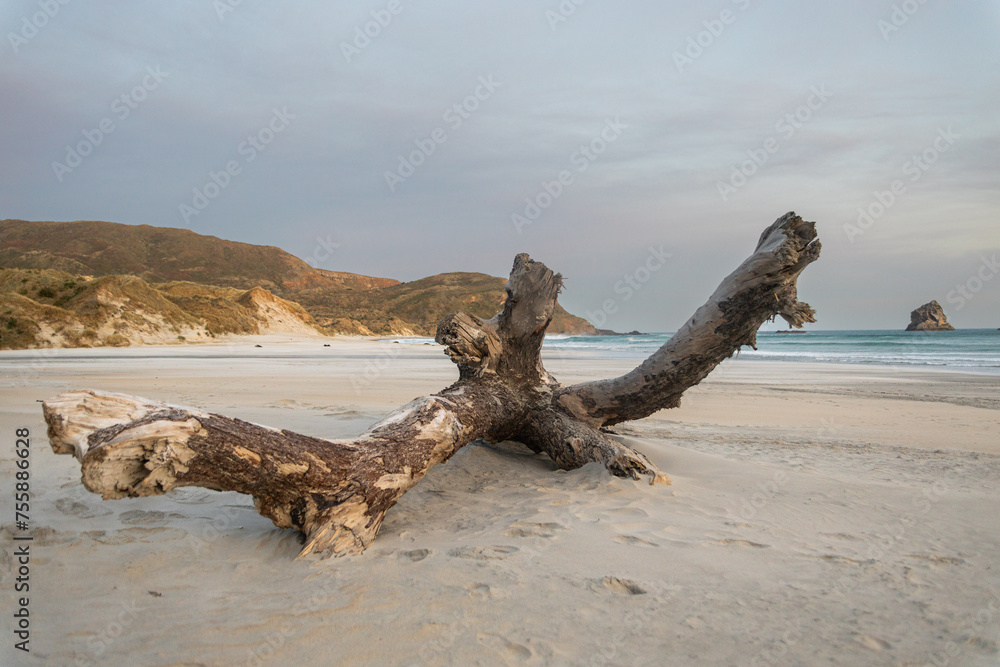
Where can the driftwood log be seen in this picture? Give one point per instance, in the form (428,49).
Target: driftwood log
(337,492)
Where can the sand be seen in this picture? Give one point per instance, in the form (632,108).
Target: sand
(819,515)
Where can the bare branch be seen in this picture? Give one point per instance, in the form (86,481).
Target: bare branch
(763,286)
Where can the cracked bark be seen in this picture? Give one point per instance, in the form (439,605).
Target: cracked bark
(336,492)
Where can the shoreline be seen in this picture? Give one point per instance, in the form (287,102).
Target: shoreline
(283,343)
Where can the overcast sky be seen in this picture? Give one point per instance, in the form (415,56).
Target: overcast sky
(702,122)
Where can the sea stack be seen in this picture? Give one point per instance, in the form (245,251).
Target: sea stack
(929,317)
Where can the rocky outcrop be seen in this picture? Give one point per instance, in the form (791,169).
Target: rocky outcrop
(929,317)
(609,332)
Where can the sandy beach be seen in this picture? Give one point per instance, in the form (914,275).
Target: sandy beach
(819,515)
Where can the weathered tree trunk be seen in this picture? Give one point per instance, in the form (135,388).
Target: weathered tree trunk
(337,492)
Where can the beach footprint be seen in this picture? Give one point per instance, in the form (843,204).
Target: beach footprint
(528,529)
(508,650)
(635,541)
(618,586)
(288,403)
(495,552)
(626,512)
(873,643)
(44,536)
(147,517)
(479,591)
(191,495)
(137,534)
(742,543)
(75,508)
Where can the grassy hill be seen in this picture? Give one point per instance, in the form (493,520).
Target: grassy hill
(48,308)
(194,283)
(423,303)
(162,254)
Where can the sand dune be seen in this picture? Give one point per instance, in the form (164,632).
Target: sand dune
(818,515)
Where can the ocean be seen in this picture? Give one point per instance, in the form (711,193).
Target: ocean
(975,350)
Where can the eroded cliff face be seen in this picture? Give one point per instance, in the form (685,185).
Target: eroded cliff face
(929,317)
(46,308)
(275,315)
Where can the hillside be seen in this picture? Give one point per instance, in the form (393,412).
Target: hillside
(162,254)
(423,303)
(194,283)
(47,308)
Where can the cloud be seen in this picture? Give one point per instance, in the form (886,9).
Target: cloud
(324,176)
